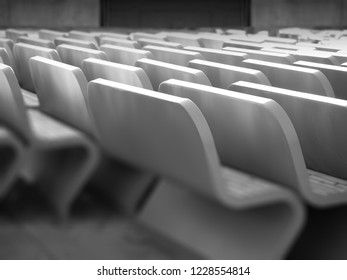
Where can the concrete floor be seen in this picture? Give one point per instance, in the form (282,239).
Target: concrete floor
(28,230)
(94,230)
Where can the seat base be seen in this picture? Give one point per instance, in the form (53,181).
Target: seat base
(213,231)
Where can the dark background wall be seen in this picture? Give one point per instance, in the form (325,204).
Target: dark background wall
(50,13)
(305,13)
(175,13)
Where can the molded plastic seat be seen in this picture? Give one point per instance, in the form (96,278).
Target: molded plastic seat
(37,42)
(199,204)
(159,72)
(243,45)
(74,55)
(184,39)
(75,42)
(319,123)
(59,159)
(222,75)
(48,34)
(335,74)
(4,57)
(174,56)
(140,35)
(111,35)
(124,55)
(252,134)
(22,52)
(313,56)
(293,77)
(85,36)
(154,42)
(67,102)
(14,34)
(220,56)
(263,55)
(119,42)
(7,44)
(121,73)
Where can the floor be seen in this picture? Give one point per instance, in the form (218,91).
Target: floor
(29,230)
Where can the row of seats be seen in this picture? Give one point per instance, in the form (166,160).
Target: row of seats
(231,142)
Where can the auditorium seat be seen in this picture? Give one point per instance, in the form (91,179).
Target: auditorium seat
(297,47)
(158,72)
(292,77)
(121,73)
(246,38)
(119,42)
(335,74)
(111,35)
(145,41)
(242,45)
(74,55)
(75,42)
(58,159)
(36,41)
(124,55)
(211,41)
(313,56)
(319,123)
(184,39)
(263,55)
(85,36)
(7,44)
(223,75)
(22,52)
(12,150)
(220,56)
(4,57)
(199,203)
(143,35)
(251,134)
(174,56)
(121,185)
(50,35)
(13,34)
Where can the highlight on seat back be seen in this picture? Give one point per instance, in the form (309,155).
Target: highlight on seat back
(159,72)
(74,55)
(251,134)
(121,73)
(62,89)
(154,131)
(22,52)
